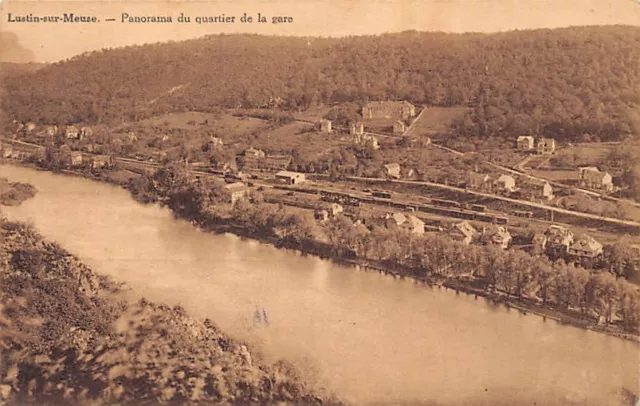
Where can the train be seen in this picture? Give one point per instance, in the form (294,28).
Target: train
(446,208)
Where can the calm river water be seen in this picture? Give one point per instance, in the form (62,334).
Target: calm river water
(366,337)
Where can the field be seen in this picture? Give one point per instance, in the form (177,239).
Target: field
(436,120)
(224,125)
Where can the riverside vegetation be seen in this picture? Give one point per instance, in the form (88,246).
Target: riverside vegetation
(69,336)
(603,299)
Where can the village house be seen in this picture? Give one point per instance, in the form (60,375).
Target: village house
(30,127)
(538,189)
(585,247)
(6,150)
(525,143)
(592,178)
(559,237)
(399,128)
(216,142)
(75,159)
(86,132)
(497,235)
(252,158)
(290,178)
(478,181)
(51,131)
(366,141)
(414,225)
(391,170)
(331,211)
(101,161)
(325,126)
(388,109)
(462,232)
(395,219)
(277,162)
(131,136)
(506,183)
(236,191)
(546,146)
(71,132)
(539,241)
(227,166)
(356,129)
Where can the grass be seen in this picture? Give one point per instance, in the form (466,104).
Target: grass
(436,120)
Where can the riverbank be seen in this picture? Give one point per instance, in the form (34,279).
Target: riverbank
(467,285)
(14,193)
(69,336)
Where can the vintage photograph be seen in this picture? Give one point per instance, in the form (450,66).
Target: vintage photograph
(337,202)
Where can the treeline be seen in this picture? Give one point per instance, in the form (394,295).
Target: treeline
(570,83)
(67,337)
(594,295)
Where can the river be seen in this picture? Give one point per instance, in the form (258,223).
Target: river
(364,336)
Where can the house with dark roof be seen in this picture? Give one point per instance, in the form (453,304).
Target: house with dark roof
(463,232)
(546,146)
(585,247)
(525,143)
(592,178)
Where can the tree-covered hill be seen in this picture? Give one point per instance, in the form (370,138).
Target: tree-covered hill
(563,82)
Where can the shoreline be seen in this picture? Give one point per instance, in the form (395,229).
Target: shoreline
(469,286)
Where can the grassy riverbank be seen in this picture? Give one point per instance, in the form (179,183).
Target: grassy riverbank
(70,336)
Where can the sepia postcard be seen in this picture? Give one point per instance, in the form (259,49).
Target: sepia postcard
(341,202)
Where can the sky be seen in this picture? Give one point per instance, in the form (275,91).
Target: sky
(50,42)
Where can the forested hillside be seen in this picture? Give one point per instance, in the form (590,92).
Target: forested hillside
(564,82)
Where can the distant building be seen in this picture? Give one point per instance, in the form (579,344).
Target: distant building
(335,209)
(414,225)
(86,132)
(252,158)
(6,150)
(559,237)
(586,247)
(325,126)
(478,181)
(546,146)
(290,178)
(496,235)
(101,161)
(399,128)
(395,219)
(72,132)
(366,141)
(51,131)
(131,136)
(463,232)
(391,170)
(75,159)
(506,183)
(539,241)
(29,127)
(277,162)
(388,109)
(356,129)
(525,143)
(236,191)
(592,178)
(216,142)
(538,189)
